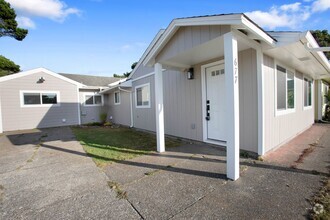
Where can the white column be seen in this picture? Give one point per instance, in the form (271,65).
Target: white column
(1,128)
(159,108)
(261,110)
(231,68)
(319,99)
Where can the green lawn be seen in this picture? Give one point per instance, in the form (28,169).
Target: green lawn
(106,145)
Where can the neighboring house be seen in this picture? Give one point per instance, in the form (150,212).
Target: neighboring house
(223,80)
(40,98)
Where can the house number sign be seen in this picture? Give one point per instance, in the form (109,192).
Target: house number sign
(235,70)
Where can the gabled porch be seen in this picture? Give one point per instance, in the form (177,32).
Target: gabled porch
(213,46)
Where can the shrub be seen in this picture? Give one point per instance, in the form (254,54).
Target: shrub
(103,117)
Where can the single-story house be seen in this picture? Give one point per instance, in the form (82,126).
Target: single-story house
(40,98)
(223,80)
(217,79)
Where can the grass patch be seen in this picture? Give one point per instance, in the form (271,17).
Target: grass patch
(106,145)
(321,203)
(120,193)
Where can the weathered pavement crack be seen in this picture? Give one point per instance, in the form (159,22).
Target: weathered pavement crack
(190,205)
(136,210)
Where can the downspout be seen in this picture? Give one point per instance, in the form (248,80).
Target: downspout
(131,104)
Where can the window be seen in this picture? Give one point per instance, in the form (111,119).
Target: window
(36,98)
(117,98)
(93,100)
(285,89)
(307,92)
(142,96)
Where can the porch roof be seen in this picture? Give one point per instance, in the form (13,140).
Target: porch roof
(237,21)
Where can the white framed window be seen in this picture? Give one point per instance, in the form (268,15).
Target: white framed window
(285,90)
(117,98)
(308,93)
(142,96)
(33,98)
(91,99)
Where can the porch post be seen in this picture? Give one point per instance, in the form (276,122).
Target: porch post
(261,112)
(159,108)
(231,76)
(319,101)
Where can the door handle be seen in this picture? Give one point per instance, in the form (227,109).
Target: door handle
(207,110)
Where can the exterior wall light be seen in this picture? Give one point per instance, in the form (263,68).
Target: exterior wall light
(190,73)
(41,80)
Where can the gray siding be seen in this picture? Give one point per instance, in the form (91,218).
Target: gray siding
(183,105)
(144,118)
(188,37)
(279,129)
(248,100)
(121,114)
(91,113)
(142,70)
(16,117)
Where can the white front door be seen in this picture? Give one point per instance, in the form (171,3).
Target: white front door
(215,102)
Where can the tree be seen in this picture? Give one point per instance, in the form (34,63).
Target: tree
(125,75)
(323,39)
(8,24)
(7,66)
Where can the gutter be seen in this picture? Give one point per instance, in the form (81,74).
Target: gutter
(317,49)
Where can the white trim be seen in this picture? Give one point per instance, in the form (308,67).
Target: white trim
(261,101)
(203,69)
(149,101)
(92,94)
(21,94)
(1,126)
(232,105)
(159,106)
(39,70)
(144,76)
(79,110)
(319,99)
(312,92)
(114,98)
(286,110)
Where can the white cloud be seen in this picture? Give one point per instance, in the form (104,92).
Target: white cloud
(55,10)
(320,5)
(25,22)
(288,15)
(291,7)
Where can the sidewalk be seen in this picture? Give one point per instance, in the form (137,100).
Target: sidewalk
(189,182)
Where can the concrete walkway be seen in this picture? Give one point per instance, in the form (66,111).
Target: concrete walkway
(47,175)
(189,182)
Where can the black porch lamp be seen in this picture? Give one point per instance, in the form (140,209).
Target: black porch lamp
(190,73)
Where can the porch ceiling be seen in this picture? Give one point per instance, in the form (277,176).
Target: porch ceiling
(201,53)
(299,58)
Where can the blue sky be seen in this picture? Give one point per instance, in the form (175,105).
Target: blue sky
(102,37)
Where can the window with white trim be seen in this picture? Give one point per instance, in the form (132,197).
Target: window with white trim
(142,96)
(93,100)
(285,89)
(307,92)
(117,97)
(36,98)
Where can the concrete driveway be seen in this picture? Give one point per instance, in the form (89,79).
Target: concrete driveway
(46,174)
